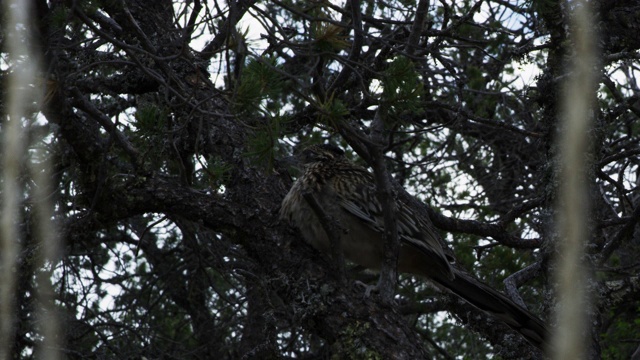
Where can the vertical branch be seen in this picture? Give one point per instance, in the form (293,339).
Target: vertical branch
(22,96)
(13,150)
(416,28)
(47,236)
(577,103)
(388,271)
(356,46)
(333,231)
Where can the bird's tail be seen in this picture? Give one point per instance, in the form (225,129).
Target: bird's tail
(491,301)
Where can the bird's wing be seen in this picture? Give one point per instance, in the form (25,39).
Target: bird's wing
(360,199)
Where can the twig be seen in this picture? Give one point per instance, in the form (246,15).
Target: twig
(513,281)
(333,230)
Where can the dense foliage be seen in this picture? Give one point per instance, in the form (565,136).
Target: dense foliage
(166,123)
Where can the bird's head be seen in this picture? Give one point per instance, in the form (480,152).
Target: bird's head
(320,153)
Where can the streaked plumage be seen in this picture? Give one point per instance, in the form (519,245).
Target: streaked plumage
(347,193)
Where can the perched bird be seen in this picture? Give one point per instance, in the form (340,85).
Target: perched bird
(346,193)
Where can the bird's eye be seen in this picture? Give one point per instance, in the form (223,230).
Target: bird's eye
(309,156)
(333,150)
(318,153)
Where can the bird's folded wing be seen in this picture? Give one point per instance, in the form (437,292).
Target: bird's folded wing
(362,201)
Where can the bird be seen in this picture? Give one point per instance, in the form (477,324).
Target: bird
(346,194)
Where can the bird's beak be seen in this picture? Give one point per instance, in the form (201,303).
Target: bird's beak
(291,163)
